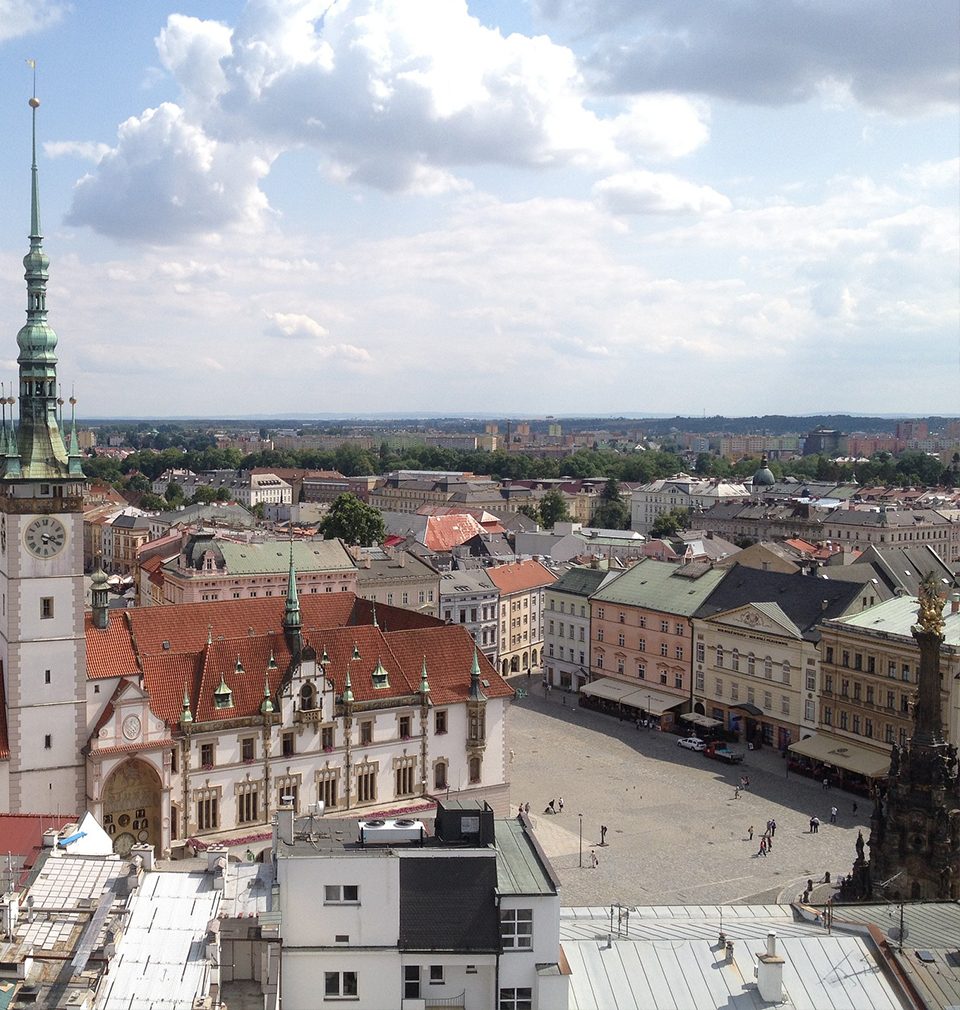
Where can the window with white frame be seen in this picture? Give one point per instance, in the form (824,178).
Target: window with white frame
(341,894)
(366,783)
(340,983)
(520,998)
(516,928)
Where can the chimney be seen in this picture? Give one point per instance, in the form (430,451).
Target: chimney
(285,825)
(770,972)
(146,853)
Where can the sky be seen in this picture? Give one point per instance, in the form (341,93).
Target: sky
(516,207)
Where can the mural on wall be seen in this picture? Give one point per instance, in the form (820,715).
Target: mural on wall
(131,806)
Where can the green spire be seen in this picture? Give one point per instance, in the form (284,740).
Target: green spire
(424,684)
(380,676)
(10,451)
(40,442)
(186,715)
(476,693)
(266,706)
(291,616)
(74,467)
(347,691)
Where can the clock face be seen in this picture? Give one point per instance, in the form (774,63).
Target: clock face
(131,727)
(45,537)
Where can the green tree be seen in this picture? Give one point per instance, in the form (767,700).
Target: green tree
(151,502)
(612,513)
(553,509)
(204,495)
(353,521)
(174,493)
(530,510)
(668,524)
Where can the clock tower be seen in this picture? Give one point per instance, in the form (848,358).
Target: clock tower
(42,644)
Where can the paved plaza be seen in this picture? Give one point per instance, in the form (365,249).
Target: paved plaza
(676,834)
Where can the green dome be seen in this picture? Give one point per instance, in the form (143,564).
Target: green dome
(764,476)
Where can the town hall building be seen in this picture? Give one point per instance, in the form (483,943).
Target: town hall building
(197,720)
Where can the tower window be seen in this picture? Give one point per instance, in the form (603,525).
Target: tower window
(46,676)
(46,607)
(47,742)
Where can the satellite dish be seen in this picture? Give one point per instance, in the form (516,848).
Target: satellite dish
(898,935)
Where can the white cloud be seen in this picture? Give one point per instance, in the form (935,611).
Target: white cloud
(23,17)
(660,126)
(85,150)
(900,58)
(642,192)
(166,179)
(296,326)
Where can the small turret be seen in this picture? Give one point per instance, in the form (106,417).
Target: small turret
(424,683)
(347,691)
(186,716)
(99,591)
(476,692)
(266,706)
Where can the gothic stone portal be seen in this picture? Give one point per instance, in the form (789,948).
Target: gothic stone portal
(131,806)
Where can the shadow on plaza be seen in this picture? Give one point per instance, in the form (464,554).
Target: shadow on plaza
(766,769)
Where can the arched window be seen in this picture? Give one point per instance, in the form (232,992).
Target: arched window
(751,664)
(768,668)
(440,775)
(720,656)
(308,697)
(735,659)
(474,769)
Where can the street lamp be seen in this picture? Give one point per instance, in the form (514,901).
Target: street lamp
(581,840)
(649,713)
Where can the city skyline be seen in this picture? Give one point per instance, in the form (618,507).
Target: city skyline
(321,202)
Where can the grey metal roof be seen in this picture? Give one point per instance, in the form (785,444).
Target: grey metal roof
(671,960)
(580,581)
(519,869)
(662,586)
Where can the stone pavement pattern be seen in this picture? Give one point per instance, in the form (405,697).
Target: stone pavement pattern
(676,835)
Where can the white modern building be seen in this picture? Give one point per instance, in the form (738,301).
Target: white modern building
(388,916)
(681,491)
(468,597)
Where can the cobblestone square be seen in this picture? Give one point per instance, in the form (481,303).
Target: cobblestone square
(676,833)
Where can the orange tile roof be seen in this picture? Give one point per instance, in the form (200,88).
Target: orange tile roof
(519,576)
(169,645)
(109,650)
(443,533)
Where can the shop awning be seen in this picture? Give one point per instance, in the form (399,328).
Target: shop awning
(843,754)
(703,721)
(608,688)
(748,707)
(646,698)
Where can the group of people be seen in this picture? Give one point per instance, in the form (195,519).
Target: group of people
(766,839)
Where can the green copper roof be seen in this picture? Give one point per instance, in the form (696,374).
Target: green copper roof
(659,585)
(579,581)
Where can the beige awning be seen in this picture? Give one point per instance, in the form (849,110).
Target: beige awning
(701,720)
(607,687)
(844,754)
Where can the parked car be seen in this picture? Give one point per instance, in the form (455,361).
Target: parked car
(721,752)
(692,743)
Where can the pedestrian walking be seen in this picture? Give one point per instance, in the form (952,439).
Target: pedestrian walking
(551,808)
(736,792)
(520,811)
(811,825)
(854,806)
(526,808)
(750,833)
(769,839)
(563,699)
(773,827)
(594,862)
(826,784)
(603,834)
(560,804)
(833,815)
(763,847)
(816,825)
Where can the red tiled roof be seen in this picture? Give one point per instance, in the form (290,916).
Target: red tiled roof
(22,834)
(520,575)
(443,533)
(109,650)
(449,655)
(152,564)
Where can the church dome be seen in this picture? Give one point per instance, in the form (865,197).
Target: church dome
(764,476)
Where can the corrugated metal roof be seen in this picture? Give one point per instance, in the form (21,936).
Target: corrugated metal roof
(671,961)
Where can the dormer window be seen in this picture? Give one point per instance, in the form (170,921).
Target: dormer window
(308,697)
(380,677)
(223,696)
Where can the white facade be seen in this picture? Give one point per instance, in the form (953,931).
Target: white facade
(42,648)
(470,598)
(679,491)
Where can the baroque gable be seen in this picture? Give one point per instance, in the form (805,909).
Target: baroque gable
(128,723)
(761,619)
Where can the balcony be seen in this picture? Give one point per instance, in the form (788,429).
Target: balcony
(308,715)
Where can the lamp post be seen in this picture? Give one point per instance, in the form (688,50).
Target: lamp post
(649,713)
(581,840)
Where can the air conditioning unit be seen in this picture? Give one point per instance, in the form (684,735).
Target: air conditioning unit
(393,830)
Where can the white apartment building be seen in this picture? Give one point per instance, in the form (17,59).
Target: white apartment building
(468,597)
(566,626)
(679,491)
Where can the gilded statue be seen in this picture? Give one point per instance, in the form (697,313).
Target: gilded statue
(930,614)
